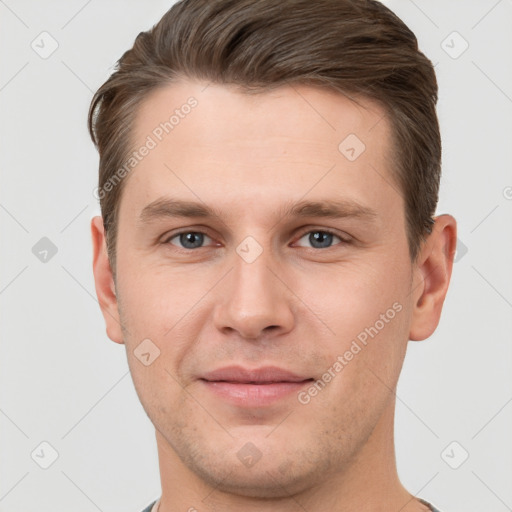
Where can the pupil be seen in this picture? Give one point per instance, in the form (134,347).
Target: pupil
(195,239)
(191,238)
(319,236)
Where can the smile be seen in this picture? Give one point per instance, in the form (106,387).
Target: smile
(253,387)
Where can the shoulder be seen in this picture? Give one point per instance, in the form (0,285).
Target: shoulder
(149,507)
(431,507)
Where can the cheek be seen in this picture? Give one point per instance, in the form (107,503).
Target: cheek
(162,313)
(367,309)
(363,361)
(156,332)
(154,299)
(353,298)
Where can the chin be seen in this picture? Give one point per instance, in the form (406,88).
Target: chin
(280,471)
(256,482)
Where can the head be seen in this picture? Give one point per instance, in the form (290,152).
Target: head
(282,121)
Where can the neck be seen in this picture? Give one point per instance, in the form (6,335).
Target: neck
(367,483)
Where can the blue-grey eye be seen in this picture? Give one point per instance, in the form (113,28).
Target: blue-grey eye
(320,239)
(190,239)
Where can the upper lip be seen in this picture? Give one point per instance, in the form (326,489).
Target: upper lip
(266,374)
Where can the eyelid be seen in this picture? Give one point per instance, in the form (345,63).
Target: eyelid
(166,239)
(345,239)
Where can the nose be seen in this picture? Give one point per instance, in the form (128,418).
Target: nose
(254,301)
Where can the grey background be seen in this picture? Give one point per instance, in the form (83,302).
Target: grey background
(63,382)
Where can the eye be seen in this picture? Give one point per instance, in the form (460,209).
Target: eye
(189,239)
(321,239)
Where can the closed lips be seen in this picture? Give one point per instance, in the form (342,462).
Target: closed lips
(263,375)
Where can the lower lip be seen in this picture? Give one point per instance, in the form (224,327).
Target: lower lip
(254,395)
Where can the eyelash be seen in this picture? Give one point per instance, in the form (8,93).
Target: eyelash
(343,241)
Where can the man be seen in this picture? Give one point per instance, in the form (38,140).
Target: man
(269,172)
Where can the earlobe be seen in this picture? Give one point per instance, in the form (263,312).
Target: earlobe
(432,276)
(104,282)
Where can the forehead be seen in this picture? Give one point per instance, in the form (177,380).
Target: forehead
(211,141)
(288,112)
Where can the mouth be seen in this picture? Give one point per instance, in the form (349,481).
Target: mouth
(253,387)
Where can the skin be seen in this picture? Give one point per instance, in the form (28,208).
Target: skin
(297,306)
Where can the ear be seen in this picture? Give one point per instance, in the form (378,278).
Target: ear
(432,273)
(104,281)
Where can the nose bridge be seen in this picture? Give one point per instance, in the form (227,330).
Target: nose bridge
(255,299)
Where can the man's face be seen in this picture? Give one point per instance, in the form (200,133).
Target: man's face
(255,287)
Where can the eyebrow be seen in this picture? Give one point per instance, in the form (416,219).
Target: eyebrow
(167,207)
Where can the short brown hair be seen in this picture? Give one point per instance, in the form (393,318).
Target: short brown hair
(352,46)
